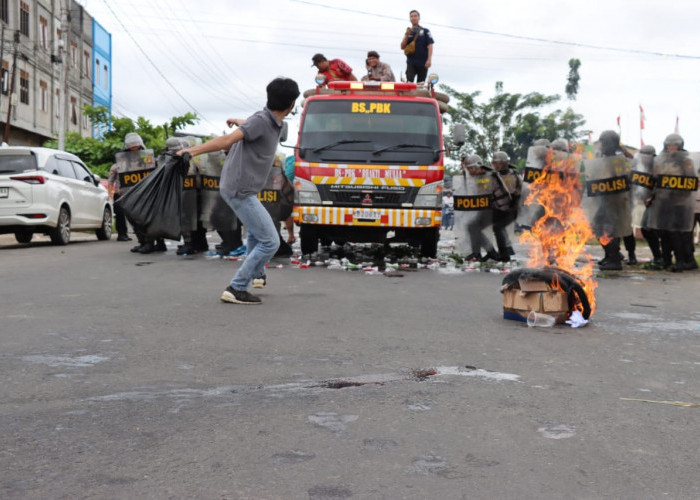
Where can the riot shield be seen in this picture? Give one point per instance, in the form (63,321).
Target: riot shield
(210,168)
(529,213)
(133,166)
(473,211)
(641,185)
(190,187)
(607,200)
(673,200)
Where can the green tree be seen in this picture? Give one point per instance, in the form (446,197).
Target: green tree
(98,154)
(507,122)
(572,79)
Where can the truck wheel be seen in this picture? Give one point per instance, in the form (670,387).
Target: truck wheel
(429,243)
(309,239)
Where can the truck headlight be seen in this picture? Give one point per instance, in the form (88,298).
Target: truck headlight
(429,196)
(306,192)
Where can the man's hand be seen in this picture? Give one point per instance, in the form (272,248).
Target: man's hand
(235,121)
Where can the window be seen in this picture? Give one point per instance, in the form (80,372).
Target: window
(64,168)
(5,78)
(23,87)
(4,11)
(44,96)
(86,63)
(24,18)
(82,172)
(97,71)
(57,103)
(73,55)
(106,79)
(73,112)
(43,33)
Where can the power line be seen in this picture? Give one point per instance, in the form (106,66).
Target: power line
(509,35)
(154,65)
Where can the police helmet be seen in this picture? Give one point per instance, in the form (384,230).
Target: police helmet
(500,157)
(561,145)
(609,142)
(648,150)
(474,161)
(673,140)
(541,142)
(133,139)
(174,144)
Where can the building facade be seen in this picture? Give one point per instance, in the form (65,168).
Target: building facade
(33,52)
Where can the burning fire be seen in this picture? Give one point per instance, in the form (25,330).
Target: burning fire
(559,237)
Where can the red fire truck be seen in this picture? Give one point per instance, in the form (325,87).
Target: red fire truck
(369,165)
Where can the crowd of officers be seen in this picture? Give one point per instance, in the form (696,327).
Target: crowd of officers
(202,207)
(655,193)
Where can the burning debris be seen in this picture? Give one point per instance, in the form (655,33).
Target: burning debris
(559,230)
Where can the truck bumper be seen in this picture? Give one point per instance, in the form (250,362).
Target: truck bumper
(373,217)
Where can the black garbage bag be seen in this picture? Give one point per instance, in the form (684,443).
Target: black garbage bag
(153,205)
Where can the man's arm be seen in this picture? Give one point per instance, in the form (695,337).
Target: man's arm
(428,61)
(223,142)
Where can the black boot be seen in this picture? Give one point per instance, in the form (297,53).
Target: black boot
(146,248)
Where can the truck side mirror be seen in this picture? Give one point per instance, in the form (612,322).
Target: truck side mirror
(284,132)
(459,135)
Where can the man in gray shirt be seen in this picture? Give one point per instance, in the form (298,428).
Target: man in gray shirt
(251,151)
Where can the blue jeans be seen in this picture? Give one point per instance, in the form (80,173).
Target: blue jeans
(263,240)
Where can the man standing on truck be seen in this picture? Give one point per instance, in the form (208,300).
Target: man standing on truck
(333,70)
(417,44)
(247,166)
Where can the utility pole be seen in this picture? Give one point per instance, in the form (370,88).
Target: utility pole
(63,79)
(2,54)
(6,137)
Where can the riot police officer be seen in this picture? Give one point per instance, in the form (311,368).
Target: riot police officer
(473,194)
(607,201)
(672,203)
(506,198)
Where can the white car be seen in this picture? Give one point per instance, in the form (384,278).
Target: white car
(49,191)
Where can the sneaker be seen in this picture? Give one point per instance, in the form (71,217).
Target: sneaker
(239,297)
(241,250)
(260,282)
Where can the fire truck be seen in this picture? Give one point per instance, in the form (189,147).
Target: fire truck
(369,164)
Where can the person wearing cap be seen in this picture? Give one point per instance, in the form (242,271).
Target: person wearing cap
(376,70)
(334,70)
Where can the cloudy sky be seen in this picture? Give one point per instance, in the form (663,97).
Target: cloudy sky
(214,57)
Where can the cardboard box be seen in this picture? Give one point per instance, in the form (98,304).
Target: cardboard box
(534,295)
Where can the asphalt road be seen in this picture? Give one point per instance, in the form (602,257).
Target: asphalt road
(124,376)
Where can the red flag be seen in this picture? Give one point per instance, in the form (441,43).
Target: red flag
(618,120)
(641,117)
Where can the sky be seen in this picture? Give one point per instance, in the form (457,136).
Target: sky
(215,57)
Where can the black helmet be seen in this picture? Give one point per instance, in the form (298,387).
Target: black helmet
(609,142)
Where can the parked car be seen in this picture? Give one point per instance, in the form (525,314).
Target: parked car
(49,191)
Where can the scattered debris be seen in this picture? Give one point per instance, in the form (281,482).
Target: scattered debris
(673,403)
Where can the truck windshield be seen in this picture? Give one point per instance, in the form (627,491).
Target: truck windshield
(370,131)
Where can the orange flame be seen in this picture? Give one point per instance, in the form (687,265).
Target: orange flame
(559,237)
